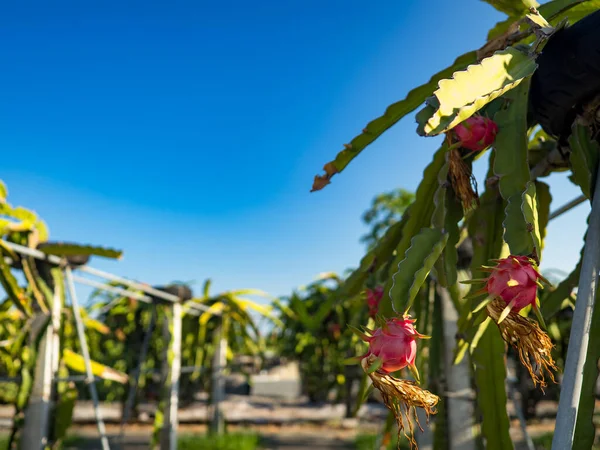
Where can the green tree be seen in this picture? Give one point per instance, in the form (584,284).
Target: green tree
(386,209)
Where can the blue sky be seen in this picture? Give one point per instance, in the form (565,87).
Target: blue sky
(188,133)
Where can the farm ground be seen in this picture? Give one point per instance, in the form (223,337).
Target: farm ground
(286,425)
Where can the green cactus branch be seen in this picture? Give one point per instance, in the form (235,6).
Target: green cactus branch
(392,115)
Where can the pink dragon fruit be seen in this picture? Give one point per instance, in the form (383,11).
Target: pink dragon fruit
(373,299)
(476,133)
(515,280)
(394,344)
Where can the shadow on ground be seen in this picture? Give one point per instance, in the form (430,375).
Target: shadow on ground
(271,442)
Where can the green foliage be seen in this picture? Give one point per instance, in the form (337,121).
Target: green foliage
(585,430)
(69,249)
(12,288)
(426,247)
(229,441)
(512,169)
(377,257)
(573,10)
(319,345)
(584,158)
(418,216)
(529,210)
(513,7)
(544,442)
(392,115)
(487,353)
(386,210)
(63,414)
(446,216)
(544,199)
(490,373)
(76,363)
(469,90)
(3,192)
(368,441)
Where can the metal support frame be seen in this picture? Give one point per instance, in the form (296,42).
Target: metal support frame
(152,292)
(175,375)
(460,409)
(570,395)
(171,376)
(218,381)
(38,415)
(567,207)
(50,364)
(90,381)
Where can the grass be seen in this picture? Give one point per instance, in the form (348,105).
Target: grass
(367,442)
(231,441)
(545,442)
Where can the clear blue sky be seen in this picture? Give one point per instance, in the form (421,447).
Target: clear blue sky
(188,133)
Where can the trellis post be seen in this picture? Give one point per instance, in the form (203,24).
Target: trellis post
(218,381)
(570,393)
(173,361)
(90,380)
(460,408)
(36,429)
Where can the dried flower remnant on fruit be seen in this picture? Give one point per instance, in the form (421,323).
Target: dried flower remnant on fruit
(373,298)
(393,347)
(515,280)
(402,398)
(511,286)
(462,180)
(526,336)
(476,133)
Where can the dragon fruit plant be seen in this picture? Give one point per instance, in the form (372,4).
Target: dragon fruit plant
(393,347)
(515,102)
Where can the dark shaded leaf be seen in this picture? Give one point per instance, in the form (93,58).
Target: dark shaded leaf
(69,249)
(424,251)
(512,169)
(584,158)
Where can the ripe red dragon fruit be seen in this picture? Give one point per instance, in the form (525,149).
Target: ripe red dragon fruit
(476,133)
(373,299)
(511,286)
(392,347)
(515,280)
(394,344)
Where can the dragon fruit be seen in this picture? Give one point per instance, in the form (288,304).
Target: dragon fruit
(515,280)
(394,344)
(476,133)
(373,299)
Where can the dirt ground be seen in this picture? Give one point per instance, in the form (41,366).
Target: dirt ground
(294,437)
(274,437)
